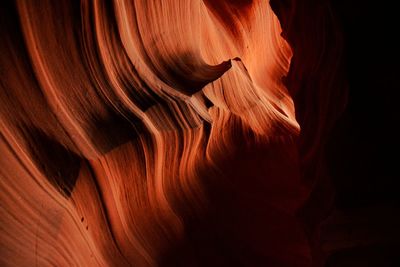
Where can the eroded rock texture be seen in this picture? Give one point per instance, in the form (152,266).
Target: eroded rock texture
(165,133)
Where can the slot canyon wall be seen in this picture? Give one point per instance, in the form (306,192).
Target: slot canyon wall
(185,133)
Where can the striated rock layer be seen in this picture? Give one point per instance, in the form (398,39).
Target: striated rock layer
(160,133)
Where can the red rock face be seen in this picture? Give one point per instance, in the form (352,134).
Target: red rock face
(161,133)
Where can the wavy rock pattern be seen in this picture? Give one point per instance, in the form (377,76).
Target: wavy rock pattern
(154,133)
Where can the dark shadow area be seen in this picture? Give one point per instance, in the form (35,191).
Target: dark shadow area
(363,148)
